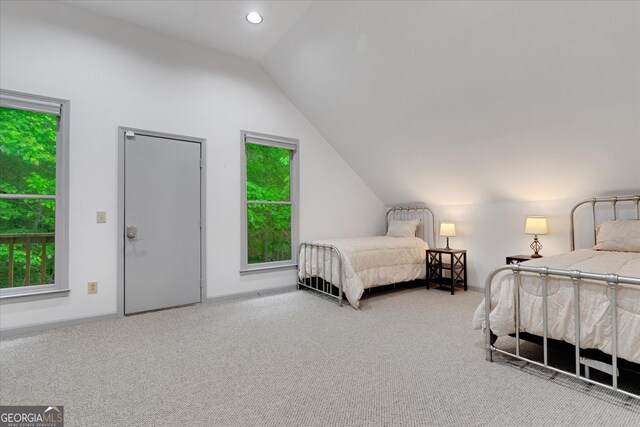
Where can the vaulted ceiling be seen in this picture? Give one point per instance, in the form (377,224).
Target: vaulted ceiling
(465,102)
(220,25)
(446,102)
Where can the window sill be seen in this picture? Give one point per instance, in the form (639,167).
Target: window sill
(267,268)
(33,296)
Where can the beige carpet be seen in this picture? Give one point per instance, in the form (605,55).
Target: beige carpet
(408,358)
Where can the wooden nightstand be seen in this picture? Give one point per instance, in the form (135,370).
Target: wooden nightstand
(517,259)
(454,262)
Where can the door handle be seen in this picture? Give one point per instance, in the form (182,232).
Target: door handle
(132,232)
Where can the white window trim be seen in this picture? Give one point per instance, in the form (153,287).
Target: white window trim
(43,104)
(294,182)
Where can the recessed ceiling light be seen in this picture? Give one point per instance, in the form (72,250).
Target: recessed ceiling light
(254,18)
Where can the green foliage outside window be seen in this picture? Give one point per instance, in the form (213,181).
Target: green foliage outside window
(27,166)
(268,224)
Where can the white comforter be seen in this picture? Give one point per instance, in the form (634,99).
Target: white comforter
(595,317)
(368,262)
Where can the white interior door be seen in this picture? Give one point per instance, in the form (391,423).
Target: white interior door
(162,223)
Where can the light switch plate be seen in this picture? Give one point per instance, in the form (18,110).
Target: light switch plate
(92,287)
(101,217)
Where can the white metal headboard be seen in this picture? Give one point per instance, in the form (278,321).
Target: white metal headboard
(425,228)
(613,200)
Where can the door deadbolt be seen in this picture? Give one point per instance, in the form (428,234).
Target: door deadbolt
(132,231)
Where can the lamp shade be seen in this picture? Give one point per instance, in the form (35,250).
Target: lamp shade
(447,229)
(536,225)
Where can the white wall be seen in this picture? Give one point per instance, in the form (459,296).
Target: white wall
(492,231)
(115,74)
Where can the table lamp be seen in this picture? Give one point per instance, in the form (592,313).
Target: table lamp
(536,225)
(447,229)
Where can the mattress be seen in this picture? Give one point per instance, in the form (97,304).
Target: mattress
(595,314)
(368,262)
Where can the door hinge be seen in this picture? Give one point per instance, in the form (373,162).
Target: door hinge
(130,134)
(201,163)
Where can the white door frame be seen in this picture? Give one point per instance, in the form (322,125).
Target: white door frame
(121,208)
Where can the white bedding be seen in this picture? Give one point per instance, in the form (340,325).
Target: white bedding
(595,317)
(368,262)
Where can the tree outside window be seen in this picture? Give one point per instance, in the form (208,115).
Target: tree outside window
(270,186)
(28,188)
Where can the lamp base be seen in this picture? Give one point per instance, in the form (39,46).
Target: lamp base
(448,248)
(536,246)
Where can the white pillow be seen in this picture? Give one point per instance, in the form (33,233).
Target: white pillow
(403,228)
(621,235)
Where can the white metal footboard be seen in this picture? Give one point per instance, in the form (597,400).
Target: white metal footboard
(329,284)
(610,280)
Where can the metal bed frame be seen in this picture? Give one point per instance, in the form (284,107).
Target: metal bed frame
(610,280)
(331,287)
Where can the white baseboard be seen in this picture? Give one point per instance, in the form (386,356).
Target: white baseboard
(37,327)
(253,294)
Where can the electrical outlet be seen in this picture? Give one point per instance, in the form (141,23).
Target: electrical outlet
(101,217)
(92,287)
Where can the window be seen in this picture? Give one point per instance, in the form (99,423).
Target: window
(269,201)
(33,202)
